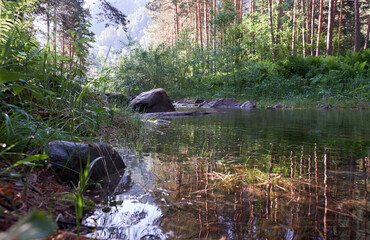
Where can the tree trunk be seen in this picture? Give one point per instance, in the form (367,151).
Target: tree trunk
(261,7)
(236,5)
(214,25)
(241,9)
(367,34)
(205,8)
(272,38)
(340,22)
(177,21)
(308,24)
(312,25)
(334,15)
(294,27)
(319,28)
(196,22)
(329,38)
(303,30)
(357,27)
(200,25)
(280,16)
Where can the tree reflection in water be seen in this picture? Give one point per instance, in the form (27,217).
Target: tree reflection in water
(313,183)
(200,206)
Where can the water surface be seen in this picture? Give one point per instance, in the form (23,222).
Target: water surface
(281,174)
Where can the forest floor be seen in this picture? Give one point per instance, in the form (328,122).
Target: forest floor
(39,188)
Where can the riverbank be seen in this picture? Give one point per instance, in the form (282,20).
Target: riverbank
(30,191)
(327,102)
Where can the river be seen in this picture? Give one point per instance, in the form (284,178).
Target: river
(260,174)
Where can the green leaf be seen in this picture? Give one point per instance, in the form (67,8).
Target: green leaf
(6,76)
(98,109)
(17,89)
(33,158)
(6,49)
(35,226)
(35,92)
(362,66)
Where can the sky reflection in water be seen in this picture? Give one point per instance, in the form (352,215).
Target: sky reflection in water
(305,175)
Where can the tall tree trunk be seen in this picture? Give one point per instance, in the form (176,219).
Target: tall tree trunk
(177,21)
(357,27)
(294,27)
(262,7)
(308,24)
(236,6)
(272,38)
(367,33)
(334,15)
(340,22)
(312,25)
(196,22)
(200,25)
(205,8)
(319,28)
(280,16)
(252,11)
(329,38)
(214,25)
(334,11)
(303,30)
(241,9)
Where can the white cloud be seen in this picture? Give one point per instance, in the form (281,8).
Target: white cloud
(111,36)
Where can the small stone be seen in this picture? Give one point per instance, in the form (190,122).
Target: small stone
(248,105)
(223,103)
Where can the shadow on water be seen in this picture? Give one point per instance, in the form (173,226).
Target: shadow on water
(296,174)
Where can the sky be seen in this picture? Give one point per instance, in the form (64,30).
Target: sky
(111,37)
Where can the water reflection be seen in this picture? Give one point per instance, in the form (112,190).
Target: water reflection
(248,175)
(132,219)
(308,206)
(131,213)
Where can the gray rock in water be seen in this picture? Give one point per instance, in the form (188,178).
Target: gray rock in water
(155,100)
(223,103)
(278,106)
(248,105)
(199,100)
(67,157)
(178,114)
(325,106)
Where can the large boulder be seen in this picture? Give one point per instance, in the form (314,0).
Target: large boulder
(228,103)
(155,100)
(248,105)
(67,157)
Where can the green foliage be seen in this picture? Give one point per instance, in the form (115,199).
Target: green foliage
(234,72)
